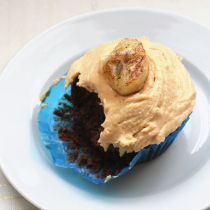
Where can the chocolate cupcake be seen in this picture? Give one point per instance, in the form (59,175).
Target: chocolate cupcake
(125,102)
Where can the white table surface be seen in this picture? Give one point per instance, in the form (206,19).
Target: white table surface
(21,20)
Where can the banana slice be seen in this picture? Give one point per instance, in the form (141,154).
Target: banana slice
(127,67)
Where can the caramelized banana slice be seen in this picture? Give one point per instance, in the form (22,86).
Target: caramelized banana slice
(127,67)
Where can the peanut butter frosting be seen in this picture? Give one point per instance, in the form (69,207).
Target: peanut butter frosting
(147,116)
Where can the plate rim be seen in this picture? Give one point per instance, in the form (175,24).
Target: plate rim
(80,16)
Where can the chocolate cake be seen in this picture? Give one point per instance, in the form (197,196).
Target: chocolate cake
(86,116)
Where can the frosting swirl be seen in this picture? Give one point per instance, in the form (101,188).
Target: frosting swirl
(146,117)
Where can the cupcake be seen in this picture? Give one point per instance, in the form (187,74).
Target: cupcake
(125,102)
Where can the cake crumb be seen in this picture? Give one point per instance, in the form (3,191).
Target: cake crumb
(42,105)
(43,96)
(107,178)
(180,58)
(56,81)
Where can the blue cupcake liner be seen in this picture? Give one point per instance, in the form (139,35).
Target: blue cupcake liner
(58,149)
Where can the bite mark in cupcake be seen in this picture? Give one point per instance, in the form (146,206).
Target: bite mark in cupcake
(87,115)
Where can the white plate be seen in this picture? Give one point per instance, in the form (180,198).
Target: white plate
(179,179)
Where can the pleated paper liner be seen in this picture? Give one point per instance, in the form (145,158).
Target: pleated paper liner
(58,149)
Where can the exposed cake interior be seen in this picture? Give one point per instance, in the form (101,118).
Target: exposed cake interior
(86,116)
